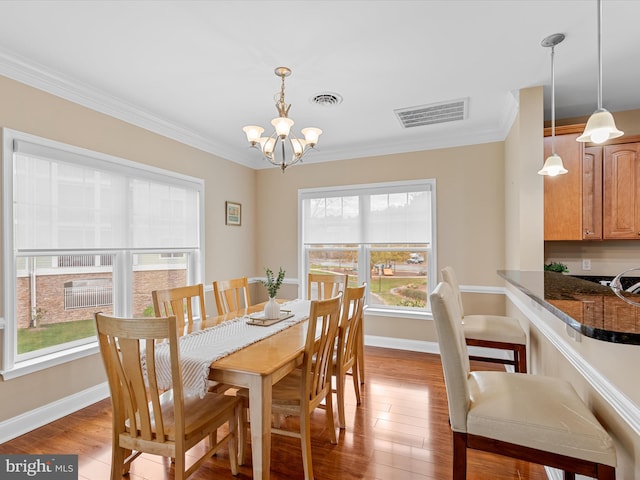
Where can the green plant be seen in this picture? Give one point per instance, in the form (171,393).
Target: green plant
(273,283)
(556,267)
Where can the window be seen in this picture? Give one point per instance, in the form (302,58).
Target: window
(382,234)
(86,232)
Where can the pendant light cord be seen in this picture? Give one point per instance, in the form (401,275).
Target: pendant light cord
(599,54)
(553,102)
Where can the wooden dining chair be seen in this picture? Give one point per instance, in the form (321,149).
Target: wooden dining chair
(491,331)
(304,389)
(231,295)
(533,418)
(147,419)
(179,302)
(346,357)
(321,286)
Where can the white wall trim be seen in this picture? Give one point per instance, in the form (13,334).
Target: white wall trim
(402,344)
(618,401)
(25,422)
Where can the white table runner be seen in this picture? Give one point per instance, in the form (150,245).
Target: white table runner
(198,350)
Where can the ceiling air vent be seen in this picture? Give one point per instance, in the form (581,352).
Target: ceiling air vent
(326,99)
(434,113)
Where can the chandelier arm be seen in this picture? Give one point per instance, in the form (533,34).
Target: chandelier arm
(599,55)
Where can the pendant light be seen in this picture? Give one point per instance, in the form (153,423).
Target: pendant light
(600,126)
(553,164)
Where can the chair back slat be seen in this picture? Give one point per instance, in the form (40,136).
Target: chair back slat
(350,324)
(453,351)
(231,295)
(179,302)
(321,286)
(128,349)
(324,318)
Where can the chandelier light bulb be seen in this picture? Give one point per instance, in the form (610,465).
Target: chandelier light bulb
(253,133)
(311,135)
(282,125)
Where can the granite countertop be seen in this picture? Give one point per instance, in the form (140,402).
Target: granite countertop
(588,307)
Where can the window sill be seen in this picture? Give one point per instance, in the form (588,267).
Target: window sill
(388,312)
(47,361)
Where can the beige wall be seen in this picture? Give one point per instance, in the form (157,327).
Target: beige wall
(229,250)
(470,214)
(523,187)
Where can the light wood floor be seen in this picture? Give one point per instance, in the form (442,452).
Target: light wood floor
(400,432)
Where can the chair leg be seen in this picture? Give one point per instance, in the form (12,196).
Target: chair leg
(459,456)
(242,432)
(331,425)
(520,357)
(234,427)
(118,467)
(360,356)
(305,441)
(340,381)
(569,476)
(356,382)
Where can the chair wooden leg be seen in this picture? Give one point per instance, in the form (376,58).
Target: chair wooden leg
(459,456)
(360,356)
(242,433)
(234,427)
(305,441)
(340,381)
(521,353)
(356,382)
(331,425)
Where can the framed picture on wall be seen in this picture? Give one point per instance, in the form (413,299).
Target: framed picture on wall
(233,215)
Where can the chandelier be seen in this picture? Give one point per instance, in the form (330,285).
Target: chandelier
(274,148)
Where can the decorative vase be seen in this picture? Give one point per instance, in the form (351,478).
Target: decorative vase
(272,309)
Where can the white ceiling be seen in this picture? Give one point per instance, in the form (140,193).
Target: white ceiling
(198,71)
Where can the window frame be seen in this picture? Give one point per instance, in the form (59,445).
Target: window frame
(14,364)
(365,249)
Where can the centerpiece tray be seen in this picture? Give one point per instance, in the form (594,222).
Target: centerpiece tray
(260,320)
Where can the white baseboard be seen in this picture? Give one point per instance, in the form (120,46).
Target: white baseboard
(402,344)
(16,426)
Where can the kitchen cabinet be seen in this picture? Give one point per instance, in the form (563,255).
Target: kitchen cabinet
(573,201)
(621,198)
(563,193)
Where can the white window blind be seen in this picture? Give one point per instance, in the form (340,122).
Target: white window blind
(68,201)
(395,213)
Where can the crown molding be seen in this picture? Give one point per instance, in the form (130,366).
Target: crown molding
(37,76)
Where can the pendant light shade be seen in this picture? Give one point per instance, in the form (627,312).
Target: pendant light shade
(600,126)
(553,164)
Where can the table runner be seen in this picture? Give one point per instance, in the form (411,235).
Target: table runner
(198,350)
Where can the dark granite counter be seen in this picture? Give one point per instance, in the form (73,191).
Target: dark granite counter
(589,308)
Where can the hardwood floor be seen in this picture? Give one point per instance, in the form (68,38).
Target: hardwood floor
(400,432)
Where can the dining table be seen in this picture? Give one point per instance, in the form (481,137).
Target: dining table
(257,367)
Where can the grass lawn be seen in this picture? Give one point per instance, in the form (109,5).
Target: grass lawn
(30,339)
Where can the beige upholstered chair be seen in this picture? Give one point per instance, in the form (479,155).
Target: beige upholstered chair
(178,301)
(321,286)
(231,295)
(491,331)
(303,390)
(534,418)
(148,419)
(346,357)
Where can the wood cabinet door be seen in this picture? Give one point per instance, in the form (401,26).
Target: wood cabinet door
(592,193)
(621,199)
(563,193)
